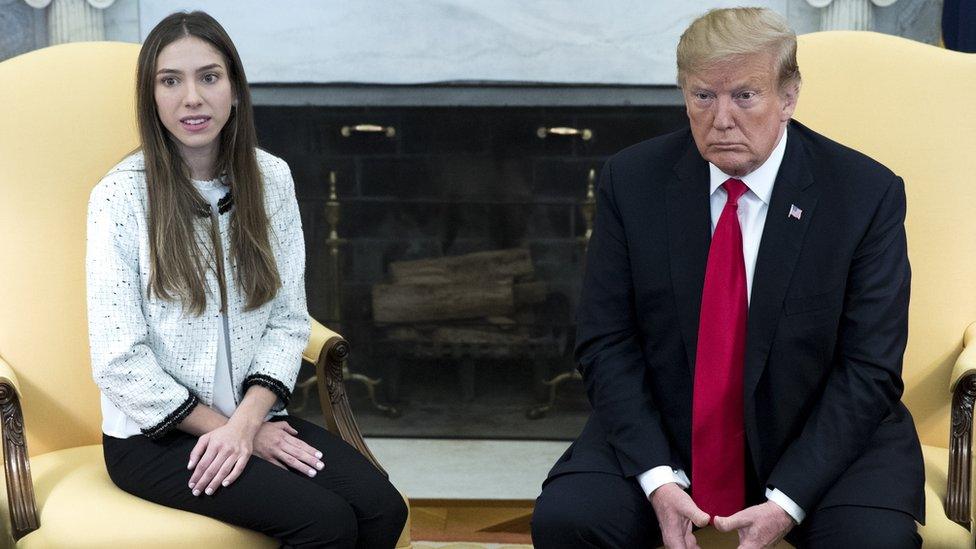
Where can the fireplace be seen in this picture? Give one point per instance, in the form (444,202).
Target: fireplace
(486,210)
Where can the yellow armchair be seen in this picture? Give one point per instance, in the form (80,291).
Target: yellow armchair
(68,115)
(901,103)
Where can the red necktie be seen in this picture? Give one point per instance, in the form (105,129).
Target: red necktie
(718,432)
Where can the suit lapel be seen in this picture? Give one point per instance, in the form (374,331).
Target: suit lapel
(689,235)
(779,249)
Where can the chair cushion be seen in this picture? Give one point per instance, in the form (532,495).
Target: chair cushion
(79,506)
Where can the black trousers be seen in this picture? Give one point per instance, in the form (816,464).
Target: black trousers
(603,510)
(347,504)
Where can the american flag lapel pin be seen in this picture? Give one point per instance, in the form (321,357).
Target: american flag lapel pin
(795,212)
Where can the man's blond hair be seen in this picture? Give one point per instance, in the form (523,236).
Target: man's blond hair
(726,34)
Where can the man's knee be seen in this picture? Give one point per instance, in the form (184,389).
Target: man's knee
(557,524)
(578,511)
(900,534)
(862,527)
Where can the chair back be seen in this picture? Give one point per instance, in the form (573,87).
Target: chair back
(906,104)
(68,115)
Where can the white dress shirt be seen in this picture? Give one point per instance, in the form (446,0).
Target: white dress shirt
(752,208)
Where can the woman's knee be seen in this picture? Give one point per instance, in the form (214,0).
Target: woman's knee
(382,518)
(328,523)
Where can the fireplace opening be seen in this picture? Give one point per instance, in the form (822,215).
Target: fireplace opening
(446,244)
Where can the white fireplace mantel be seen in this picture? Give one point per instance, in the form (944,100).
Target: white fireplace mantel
(622,42)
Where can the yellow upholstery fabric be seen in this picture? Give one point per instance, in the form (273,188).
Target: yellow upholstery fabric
(318,337)
(68,115)
(940,534)
(404,542)
(898,101)
(966,363)
(80,507)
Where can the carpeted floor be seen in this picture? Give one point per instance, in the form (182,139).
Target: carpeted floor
(471,524)
(465,545)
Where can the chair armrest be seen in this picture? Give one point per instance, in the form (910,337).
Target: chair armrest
(966,363)
(328,350)
(16,462)
(316,341)
(958,502)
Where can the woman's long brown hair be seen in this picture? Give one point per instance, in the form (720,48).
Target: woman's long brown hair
(177,260)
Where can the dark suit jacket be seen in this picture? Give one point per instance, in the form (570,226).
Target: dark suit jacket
(827,326)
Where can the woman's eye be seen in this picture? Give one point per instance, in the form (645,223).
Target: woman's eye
(210,78)
(168,81)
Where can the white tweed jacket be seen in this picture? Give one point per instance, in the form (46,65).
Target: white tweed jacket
(153,360)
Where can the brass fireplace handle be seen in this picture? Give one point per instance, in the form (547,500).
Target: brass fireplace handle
(585,133)
(346,131)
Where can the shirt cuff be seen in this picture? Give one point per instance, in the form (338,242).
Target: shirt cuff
(659,476)
(788,505)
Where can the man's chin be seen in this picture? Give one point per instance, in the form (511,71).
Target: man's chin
(736,166)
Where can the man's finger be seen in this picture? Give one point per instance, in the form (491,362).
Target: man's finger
(673,539)
(690,541)
(673,532)
(694,514)
(736,521)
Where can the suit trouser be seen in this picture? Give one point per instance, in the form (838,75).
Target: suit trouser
(347,504)
(604,510)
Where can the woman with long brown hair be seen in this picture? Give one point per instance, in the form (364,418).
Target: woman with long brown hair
(197,314)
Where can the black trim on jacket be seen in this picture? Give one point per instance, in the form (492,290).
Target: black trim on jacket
(270,383)
(173,419)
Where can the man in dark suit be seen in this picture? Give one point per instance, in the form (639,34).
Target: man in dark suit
(742,325)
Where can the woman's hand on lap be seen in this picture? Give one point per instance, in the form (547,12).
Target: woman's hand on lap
(219,457)
(277,442)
